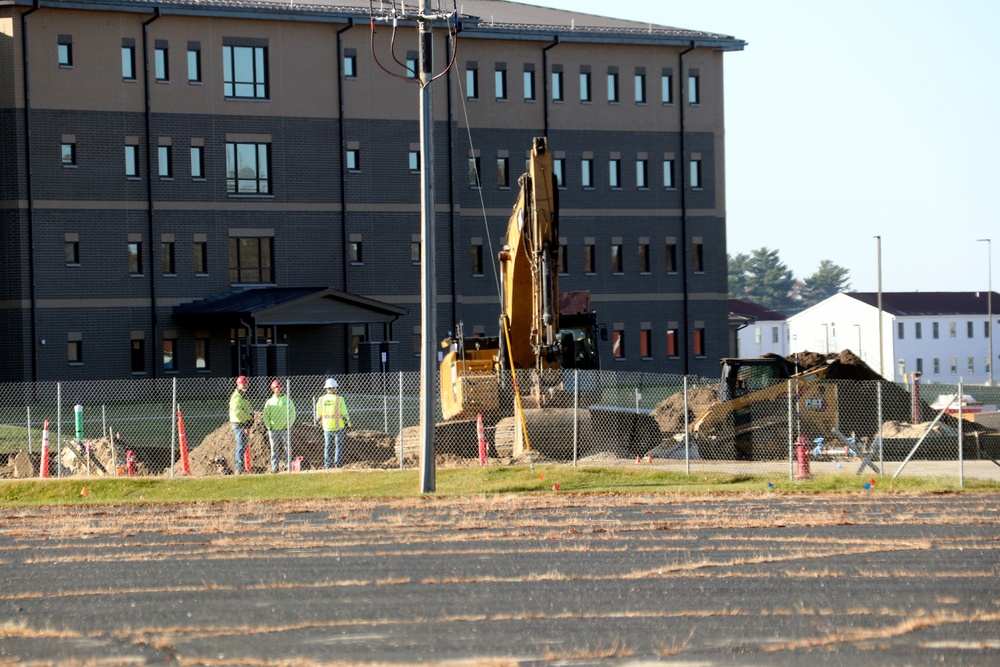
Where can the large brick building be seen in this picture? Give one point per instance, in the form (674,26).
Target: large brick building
(181,181)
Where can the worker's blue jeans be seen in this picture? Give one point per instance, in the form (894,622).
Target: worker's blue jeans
(338,437)
(277,438)
(239,432)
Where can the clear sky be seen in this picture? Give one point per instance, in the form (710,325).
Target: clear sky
(856,118)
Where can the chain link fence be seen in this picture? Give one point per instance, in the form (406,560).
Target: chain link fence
(169,427)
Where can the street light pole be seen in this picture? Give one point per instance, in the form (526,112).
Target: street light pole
(989,299)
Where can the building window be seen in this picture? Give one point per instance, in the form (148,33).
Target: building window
(668,174)
(618,344)
(357,337)
(167,264)
(584,86)
(640,88)
(587,172)
(694,89)
(350,66)
(354,252)
(201,257)
(775,335)
(646,344)
(643,258)
(986,329)
(411,65)
(474,172)
(589,258)
(128,61)
(132,161)
(250,260)
(161,64)
(503,168)
(671,257)
(248,169)
(613,87)
(194,64)
(138,355)
(557,86)
(500,80)
(559,170)
(615,173)
(71,251)
(667,88)
(163,162)
(244,72)
(353,159)
(920,365)
(641,180)
(696,174)
(698,257)
(415,252)
(414,160)
(699,342)
(417,345)
(74,351)
(617,261)
(69,154)
(201,348)
(954,365)
(562,266)
(968,328)
(135,258)
(952,330)
(169,354)
(529,84)
(937,366)
(935,330)
(918,330)
(972,365)
(902,367)
(672,343)
(197,162)
(472,81)
(476,259)
(65,50)
(900,330)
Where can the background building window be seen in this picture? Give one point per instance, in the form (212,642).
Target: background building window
(968,330)
(474,172)
(132,161)
(72,252)
(562,260)
(169,352)
(668,174)
(476,259)
(643,258)
(197,162)
(503,169)
(161,63)
(695,174)
(68,153)
(646,344)
(350,66)
(613,87)
(128,62)
(201,350)
(414,160)
(937,366)
(587,172)
(194,64)
(640,88)
(250,260)
(500,78)
(641,180)
(167,264)
(163,162)
(559,169)
(900,330)
(557,87)
(354,252)
(415,252)
(584,86)
(617,261)
(952,330)
(589,259)
(201,257)
(618,344)
(353,159)
(697,257)
(935,330)
(411,66)
(672,343)
(529,84)
(74,351)
(918,330)
(248,169)
(671,257)
(135,258)
(244,72)
(472,82)
(615,173)
(138,356)
(65,50)
(699,342)
(694,89)
(667,88)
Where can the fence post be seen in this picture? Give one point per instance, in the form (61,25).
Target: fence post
(576,413)
(173,427)
(881,447)
(687,432)
(400,432)
(961,458)
(791,434)
(288,424)
(29,429)
(59,430)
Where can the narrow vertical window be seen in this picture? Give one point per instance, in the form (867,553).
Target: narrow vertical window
(168,265)
(414,160)
(474,172)
(694,89)
(472,81)
(163,162)
(646,344)
(559,170)
(350,64)
(699,342)
(161,64)
(672,343)
(557,86)
(415,252)
(667,87)
(585,86)
(503,167)
(640,88)
(618,344)
(671,257)
(695,174)
(138,355)
(613,87)
(643,259)
(132,161)
(641,180)
(900,330)
(918,332)
(668,174)
(617,261)
(589,258)
(201,350)
(587,172)
(72,250)
(500,82)
(128,59)
(614,173)
(476,259)
(529,83)
(197,162)
(68,152)
(65,50)
(697,257)
(194,62)
(354,252)
(353,159)
(169,354)
(74,351)
(562,260)
(135,258)
(200,250)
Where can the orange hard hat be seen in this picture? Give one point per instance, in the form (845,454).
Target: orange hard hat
(242,380)
(276,384)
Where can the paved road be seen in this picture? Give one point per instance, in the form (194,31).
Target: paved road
(511,580)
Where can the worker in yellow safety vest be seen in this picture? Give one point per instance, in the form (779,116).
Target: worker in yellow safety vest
(331,410)
(240,418)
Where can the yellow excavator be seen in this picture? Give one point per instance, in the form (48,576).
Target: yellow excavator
(541,331)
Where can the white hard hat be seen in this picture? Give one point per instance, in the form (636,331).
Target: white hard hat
(330,384)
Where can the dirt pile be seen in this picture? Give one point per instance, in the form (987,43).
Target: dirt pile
(669,414)
(362,449)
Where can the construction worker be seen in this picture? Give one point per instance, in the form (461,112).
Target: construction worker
(332,411)
(279,415)
(240,417)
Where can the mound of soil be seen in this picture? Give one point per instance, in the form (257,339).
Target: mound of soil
(669,414)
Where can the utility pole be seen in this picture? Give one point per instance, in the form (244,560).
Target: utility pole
(881,367)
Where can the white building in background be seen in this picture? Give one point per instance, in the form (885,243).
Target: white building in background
(765,331)
(945,336)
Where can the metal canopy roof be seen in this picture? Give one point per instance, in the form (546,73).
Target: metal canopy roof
(290,306)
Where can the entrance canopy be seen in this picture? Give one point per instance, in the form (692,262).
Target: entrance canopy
(274,306)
